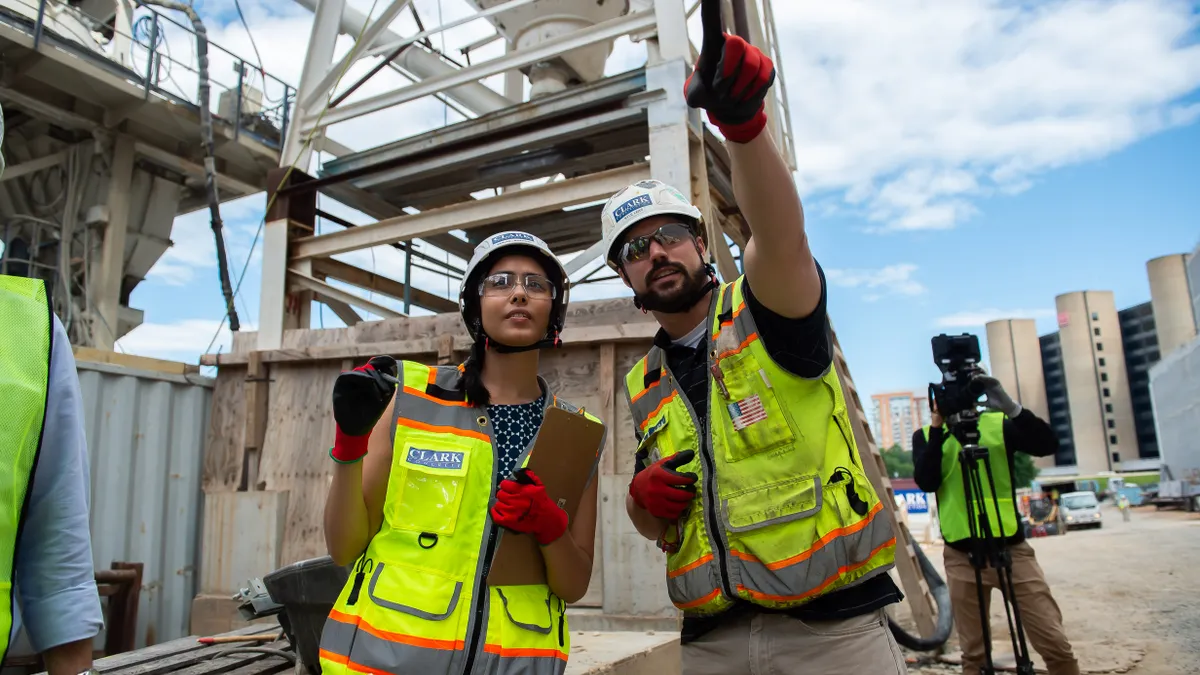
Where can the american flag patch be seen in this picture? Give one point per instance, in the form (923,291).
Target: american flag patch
(747,411)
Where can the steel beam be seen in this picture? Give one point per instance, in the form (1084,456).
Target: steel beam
(380,50)
(474,96)
(322,88)
(318,56)
(574,101)
(471,214)
(34,165)
(177,163)
(601,32)
(324,290)
(589,254)
(356,276)
(508,146)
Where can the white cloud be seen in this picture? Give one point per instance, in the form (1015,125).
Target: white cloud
(917,109)
(980,317)
(183,340)
(889,280)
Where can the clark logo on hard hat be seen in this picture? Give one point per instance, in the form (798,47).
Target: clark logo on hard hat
(636,203)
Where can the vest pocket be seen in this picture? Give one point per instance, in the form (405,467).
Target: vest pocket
(772,503)
(416,592)
(527,607)
(431,486)
(748,421)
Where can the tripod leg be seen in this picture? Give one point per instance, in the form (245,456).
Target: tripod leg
(1004,578)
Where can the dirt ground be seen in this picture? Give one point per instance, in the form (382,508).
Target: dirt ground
(1129,592)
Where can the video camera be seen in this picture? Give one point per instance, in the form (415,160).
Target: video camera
(957,356)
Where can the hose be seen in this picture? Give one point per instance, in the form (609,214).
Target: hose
(941,597)
(210,162)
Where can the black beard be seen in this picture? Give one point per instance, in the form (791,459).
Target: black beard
(677,300)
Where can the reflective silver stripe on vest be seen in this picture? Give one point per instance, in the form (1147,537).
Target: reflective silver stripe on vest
(743,324)
(491,662)
(822,567)
(692,586)
(364,650)
(653,397)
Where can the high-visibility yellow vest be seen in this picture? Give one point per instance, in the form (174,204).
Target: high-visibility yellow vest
(25,340)
(422,604)
(784,512)
(952,500)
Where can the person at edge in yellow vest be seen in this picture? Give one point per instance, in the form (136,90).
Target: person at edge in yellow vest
(427,475)
(47,582)
(747,473)
(1005,430)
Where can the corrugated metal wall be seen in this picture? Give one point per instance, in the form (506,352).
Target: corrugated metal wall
(145,436)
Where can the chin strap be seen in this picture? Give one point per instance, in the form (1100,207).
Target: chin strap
(549,342)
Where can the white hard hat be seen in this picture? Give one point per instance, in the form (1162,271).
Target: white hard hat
(506,243)
(634,204)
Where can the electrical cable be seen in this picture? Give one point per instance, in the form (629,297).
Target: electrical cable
(210,163)
(287,174)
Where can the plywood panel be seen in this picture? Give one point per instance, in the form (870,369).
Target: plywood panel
(226,431)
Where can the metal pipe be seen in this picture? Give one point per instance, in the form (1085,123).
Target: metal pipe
(408,281)
(475,96)
(210,162)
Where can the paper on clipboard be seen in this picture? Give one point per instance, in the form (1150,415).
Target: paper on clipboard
(565,452)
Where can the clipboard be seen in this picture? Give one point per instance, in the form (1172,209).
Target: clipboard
(565,453)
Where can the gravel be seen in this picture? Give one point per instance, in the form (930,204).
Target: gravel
(1129,592)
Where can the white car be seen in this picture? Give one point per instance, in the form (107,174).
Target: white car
(1080,509)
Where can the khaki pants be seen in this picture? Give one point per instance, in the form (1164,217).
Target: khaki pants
(777,644)
(1040,614)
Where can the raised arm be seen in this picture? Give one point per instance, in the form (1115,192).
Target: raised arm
(363,402)
(731,82)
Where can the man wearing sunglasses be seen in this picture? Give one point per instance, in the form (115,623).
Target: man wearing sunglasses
(747,474)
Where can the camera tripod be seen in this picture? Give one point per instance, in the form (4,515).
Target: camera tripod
(988,549)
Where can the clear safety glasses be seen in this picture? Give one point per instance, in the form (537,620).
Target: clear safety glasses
(502,284)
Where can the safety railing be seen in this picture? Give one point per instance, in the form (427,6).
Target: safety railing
(157,53)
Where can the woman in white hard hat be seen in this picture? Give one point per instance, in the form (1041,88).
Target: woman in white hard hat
(419,515)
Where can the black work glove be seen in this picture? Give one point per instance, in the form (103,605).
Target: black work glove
(359,398)
(730,80)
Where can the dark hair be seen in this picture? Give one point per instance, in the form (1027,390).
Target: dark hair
(472,378)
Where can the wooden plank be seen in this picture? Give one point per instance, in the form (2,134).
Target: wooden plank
(184,645)
(702,198)
(541,199)
(428,346)
(256,392)
(224,447)
(357,276)
(92,355)
(247,660)
(915,589)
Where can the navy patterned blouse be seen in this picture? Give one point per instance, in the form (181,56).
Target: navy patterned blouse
(513,429)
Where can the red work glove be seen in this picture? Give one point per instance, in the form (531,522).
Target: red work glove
(663,491)
(359,398)
(522,505)
(730,81)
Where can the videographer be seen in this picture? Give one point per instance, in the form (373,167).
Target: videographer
(1004,430)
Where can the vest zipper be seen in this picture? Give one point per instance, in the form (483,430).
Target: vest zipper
(704,436)
(481,592)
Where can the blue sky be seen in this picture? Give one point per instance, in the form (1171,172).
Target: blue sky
(958,163)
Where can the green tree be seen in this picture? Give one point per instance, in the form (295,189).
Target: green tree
(1024,470)
(898,461)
